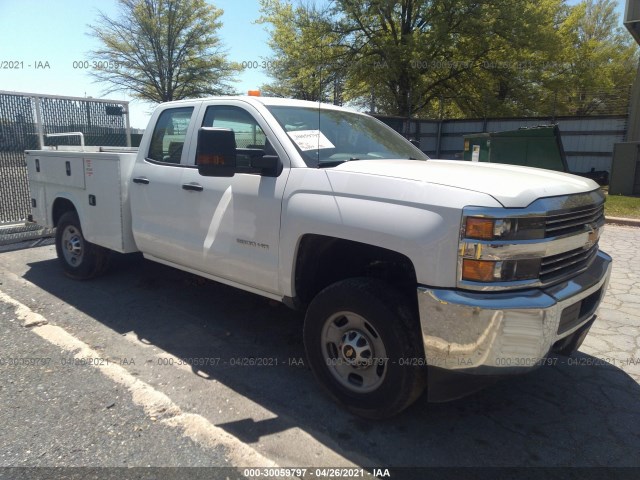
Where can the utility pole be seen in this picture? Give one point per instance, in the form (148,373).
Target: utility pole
(625,167)
(632,22)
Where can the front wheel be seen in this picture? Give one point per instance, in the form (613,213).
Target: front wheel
(364,345)
(80,259)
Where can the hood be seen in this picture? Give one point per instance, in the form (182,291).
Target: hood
(512,186)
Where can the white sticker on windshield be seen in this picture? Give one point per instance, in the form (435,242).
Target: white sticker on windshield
(310,139)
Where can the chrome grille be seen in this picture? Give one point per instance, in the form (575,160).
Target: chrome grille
(567,263)
(574,221)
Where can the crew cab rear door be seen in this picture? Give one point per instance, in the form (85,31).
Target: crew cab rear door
(158,219)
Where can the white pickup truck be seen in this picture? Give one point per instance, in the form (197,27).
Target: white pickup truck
(414,273)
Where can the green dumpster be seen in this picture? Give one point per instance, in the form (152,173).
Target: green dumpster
(539,147)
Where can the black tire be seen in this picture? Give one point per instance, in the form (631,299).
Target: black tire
(376,389)
(80,259)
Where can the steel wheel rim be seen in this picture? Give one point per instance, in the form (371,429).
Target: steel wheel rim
(354,352)
(72,245)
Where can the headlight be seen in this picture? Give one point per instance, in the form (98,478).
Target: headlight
(544,243)
(499,271)
(485,228)
(487,254)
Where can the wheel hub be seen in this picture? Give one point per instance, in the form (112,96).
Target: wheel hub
(72,246)
(355,349)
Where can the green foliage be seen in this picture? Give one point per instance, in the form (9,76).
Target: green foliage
(454,58)
(521,63)
(407,53)
(602,59)
(307,54)
(162,50)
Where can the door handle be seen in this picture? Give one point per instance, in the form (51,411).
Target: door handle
(141,180)
(192,187)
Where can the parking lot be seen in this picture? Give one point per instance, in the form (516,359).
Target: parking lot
(190,372)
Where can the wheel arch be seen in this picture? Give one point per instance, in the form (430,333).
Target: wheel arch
(322,260)
(60,206)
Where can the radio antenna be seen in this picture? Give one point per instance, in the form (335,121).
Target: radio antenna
(319,100)
(318,18)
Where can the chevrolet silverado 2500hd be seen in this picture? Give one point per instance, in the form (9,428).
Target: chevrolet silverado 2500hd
(413,272)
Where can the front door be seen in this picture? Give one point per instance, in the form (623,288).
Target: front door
(233,223)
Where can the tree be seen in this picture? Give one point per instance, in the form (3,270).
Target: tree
(403,52)
(406,55)
(602,60)
(455,58)
(306,63)
(162,50)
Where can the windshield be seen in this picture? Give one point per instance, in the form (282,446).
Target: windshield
(341,137)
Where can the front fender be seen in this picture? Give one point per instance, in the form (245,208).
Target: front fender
(396,214)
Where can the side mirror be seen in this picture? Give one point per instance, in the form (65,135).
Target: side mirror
(216,152)
(415,143)
(269,165)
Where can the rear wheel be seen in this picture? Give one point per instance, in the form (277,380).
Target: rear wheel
(80,259)
(361,338)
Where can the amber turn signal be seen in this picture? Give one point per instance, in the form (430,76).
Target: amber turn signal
(481,228)
(478,270)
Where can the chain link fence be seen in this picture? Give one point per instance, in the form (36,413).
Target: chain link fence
(25,121)
(18,133)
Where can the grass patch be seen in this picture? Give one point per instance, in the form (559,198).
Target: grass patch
(621,206)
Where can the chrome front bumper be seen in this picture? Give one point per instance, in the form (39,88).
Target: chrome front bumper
(508,333)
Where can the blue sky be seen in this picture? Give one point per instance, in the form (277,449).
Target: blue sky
(33,31)
(50,31)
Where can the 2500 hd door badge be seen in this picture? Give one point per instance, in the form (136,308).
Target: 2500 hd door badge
(251,243)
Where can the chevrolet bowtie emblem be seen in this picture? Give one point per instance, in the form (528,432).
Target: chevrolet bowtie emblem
(592,237)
